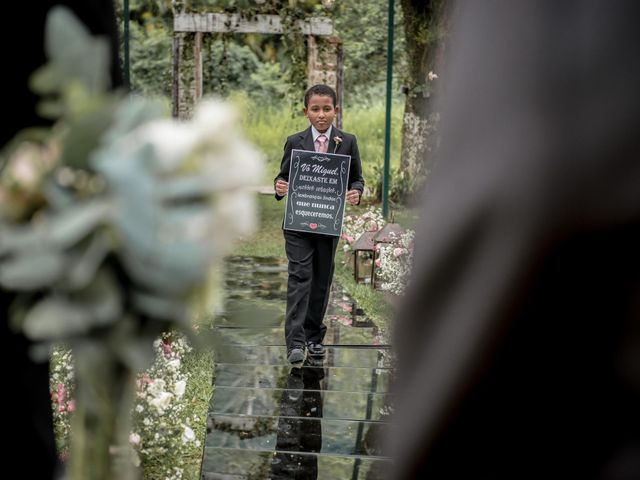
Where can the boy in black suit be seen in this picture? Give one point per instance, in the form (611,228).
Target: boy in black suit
(311,255)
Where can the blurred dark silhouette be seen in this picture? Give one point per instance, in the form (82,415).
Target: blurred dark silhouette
(29,436)
(519,341)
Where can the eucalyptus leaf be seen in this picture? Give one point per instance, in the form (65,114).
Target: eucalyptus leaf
(75,222)
(102,299)
(158,307)
(74,53)
(197,188)
(58,231)
(45,80)
(84,136)
(59,317)
(57,197)
(32,270)
(84,265)
(135,349)
(131,114)
(50,108)
(55,318)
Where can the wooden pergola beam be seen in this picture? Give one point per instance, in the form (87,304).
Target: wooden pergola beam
(222,22)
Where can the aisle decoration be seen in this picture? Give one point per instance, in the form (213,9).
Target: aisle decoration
(111,223)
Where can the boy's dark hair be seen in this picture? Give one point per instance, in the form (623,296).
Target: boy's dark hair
(323,90)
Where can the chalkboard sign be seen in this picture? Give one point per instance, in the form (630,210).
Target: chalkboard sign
(317,191)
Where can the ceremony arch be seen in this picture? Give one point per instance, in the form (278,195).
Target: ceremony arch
(324,51)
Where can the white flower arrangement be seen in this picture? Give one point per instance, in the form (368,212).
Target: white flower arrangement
(162,434)
(62,389)
(163,426)
(111,224)
(354,225)
(394,262)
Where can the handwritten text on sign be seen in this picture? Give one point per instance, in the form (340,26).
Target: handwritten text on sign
(317,189)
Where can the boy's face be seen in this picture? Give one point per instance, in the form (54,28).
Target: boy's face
(321,112)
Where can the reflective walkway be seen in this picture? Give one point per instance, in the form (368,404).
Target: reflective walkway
(267,420)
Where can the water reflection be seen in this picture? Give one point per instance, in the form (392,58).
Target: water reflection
(300,402)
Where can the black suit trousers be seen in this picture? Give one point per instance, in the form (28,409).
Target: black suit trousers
(311,263)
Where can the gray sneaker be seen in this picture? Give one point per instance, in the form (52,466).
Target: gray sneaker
(296,356)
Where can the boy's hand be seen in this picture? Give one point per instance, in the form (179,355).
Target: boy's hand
(353,197)
(282,187)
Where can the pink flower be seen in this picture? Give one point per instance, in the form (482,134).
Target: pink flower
(344,320)
(398,251)
(166,347)
(346,307)
(373,227)
(347,238)
(378,263)
(71,406)
(62,394)
(134,439)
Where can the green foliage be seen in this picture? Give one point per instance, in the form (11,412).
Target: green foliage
(367,123)
(277,72)
(362,27)
(151,63)
(268,127)
(230,66)
(267,240)
(199,367)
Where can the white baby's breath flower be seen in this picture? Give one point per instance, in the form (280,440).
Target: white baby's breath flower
(174,364)
(188,435)
(180,388)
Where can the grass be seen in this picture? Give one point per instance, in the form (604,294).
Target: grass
(268,127)
(199,364)
(267,240)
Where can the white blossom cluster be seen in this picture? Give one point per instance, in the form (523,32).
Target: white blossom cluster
(162,436)
(355,225)
(162,432)
(395,261)
(61,387)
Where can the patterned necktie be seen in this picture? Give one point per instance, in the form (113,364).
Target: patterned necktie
(321,144)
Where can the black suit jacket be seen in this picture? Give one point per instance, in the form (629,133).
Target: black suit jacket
(304,141)
(519,341)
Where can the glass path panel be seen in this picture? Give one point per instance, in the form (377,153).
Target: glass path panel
(268,420)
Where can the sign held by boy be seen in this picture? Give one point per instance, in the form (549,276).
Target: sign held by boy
(317,189)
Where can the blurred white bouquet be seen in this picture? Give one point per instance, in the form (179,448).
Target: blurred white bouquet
(110,224)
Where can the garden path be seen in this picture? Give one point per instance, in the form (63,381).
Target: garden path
(268,420)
